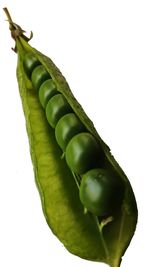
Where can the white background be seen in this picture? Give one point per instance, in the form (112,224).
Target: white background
(103,49)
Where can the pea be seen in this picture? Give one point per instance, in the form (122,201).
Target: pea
(68,126)
(29,63)
(38,76)
(101,192)
(56,107)
(46,91)
(83,153)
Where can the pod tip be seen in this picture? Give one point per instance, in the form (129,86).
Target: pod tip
(15,29)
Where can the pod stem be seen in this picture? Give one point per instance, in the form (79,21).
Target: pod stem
(8,15)
(16,30)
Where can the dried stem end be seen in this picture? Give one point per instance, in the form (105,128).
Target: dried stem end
(16,30)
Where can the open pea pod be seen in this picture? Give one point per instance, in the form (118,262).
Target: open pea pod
(102,239)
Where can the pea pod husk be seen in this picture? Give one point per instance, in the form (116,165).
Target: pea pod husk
(80,233)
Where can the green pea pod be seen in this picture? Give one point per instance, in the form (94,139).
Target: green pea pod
(83,234)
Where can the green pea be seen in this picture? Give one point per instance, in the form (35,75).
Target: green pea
(68,126)
(38,76)
(57,107)
(104,238)
(47,90)
(101,192)
(83,153)
(29,63)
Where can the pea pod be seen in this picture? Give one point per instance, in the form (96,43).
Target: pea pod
(87,234)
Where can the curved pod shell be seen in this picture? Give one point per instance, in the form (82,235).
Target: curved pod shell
(79,232)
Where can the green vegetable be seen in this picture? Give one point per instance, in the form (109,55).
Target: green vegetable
(101,192)
(83,153)
(57,106)
(30,62)
(38,76)
(97,238)
(68,126)
(46,91)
